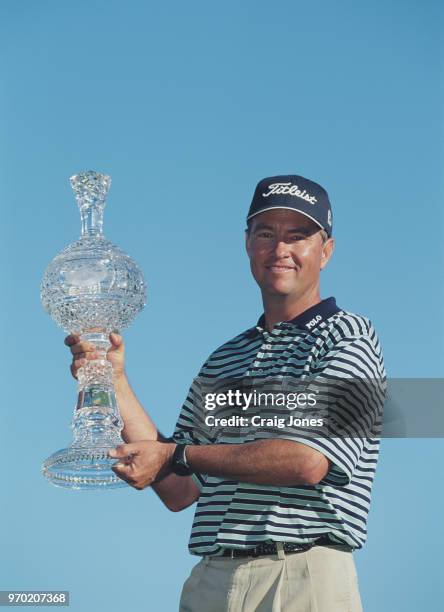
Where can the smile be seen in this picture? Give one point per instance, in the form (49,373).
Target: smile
(280,269)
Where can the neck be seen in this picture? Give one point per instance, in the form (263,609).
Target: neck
(92,220)
(284,308)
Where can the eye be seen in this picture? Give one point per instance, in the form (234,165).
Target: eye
(297,237)
(264,234)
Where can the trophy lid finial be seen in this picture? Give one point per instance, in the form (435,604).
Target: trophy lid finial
(90,187)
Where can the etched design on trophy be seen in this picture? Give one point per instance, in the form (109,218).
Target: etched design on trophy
(92,288)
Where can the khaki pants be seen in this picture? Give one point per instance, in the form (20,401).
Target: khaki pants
(322,579)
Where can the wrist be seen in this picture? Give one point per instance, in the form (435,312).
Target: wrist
(119,379)
(170,447)
(179,463)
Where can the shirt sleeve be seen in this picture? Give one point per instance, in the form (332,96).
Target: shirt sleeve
(189,429)
(352,380)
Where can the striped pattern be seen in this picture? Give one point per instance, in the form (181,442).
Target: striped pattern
(232,514)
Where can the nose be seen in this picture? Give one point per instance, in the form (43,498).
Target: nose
(281,249)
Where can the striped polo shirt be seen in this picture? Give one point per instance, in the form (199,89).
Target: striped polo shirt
(322,341)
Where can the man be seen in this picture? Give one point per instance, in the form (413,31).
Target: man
(279,511)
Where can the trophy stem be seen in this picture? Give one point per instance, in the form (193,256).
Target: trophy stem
(92,221)
(96,420)
(96,426)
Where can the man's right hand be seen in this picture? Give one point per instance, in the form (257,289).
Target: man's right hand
(83,351)
(176,492)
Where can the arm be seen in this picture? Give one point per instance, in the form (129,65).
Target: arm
(176,492)
(266,462)
(137,423)
(146,456)
(277,462)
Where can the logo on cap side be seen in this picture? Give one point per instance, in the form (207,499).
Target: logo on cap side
(289,189)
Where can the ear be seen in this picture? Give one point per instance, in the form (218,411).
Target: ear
(327,251)
(247,243)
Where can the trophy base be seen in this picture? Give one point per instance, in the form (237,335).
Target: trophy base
(82,467)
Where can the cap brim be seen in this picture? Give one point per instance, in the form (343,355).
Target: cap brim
(288,208)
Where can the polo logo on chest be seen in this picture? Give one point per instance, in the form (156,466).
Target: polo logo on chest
(313,322)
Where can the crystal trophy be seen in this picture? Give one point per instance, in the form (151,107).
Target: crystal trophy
(91,288)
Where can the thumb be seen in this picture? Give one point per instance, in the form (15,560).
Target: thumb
(115,339)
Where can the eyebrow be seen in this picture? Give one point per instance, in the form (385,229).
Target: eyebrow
(301,230)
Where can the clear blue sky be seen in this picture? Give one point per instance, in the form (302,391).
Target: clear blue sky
(187,106)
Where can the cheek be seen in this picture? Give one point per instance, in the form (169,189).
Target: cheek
(255,266)
(310,257)
(257,256)
(305,252)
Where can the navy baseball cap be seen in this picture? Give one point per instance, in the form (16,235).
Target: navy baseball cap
(294,193)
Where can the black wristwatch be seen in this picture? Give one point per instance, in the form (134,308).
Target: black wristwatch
(179,464)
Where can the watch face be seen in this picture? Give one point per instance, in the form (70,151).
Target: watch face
(178,465)
(182,470)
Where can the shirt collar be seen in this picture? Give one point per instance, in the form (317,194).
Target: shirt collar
(309,319)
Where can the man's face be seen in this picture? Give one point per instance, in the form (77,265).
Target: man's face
(286,252)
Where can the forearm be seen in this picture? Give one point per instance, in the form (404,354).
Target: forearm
(137,423)
(176,492)
(266,462)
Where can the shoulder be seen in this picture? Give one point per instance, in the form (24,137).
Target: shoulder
(345,324)
(350,336)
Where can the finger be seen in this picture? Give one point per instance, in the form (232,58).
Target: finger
(82,347)
(71,339)
(85,356)
(79,363)
(116,339)
(123,469)
(121,473)
(124,450)
(74,371)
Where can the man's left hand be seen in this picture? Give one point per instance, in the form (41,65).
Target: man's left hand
(142,463)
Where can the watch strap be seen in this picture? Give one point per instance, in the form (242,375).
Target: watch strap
(179,465)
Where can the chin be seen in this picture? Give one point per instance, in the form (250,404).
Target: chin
(280,289)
